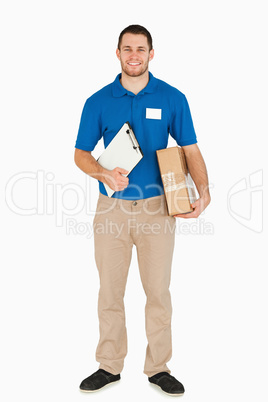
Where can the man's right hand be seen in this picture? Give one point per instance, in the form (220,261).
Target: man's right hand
(88,164)
(115,179)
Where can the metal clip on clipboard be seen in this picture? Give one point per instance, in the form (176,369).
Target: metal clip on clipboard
(133,139)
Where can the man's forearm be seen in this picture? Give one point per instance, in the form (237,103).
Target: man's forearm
(197,169)
(88,164)
(115,178)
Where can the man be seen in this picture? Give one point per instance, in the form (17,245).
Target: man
(137,211)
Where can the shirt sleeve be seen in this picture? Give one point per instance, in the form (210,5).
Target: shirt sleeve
(182,128)
(89,132)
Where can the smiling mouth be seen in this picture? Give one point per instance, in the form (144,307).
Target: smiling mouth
(134,64)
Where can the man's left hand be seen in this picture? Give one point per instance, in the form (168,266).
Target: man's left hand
(198,207)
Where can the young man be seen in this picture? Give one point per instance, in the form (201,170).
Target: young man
(137,208)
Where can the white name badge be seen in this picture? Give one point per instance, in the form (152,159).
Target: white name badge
(153,113)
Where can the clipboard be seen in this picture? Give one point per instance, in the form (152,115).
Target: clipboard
(123,151)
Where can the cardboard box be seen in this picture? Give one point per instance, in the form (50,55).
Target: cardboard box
(178,184)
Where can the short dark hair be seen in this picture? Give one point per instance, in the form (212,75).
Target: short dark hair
(137,30)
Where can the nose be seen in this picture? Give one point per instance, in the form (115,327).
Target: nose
(134,54)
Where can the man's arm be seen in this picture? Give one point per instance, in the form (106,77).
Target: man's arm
(88,164)
(198,171)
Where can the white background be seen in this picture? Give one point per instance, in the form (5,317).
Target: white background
(55,54)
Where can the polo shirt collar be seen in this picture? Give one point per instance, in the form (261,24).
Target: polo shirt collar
(118,90)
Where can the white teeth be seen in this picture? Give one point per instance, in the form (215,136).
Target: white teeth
(133,64)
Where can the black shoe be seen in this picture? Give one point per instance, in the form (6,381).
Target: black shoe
(98,380)
(167,383)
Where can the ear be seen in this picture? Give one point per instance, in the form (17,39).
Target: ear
(151,55)
(118,54)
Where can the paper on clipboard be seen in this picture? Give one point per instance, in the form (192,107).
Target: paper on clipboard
(123,151)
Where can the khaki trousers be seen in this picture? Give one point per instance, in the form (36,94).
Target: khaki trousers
(118,224)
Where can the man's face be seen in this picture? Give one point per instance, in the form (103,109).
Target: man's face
(134,54)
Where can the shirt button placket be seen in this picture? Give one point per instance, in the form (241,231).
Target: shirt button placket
(134,108)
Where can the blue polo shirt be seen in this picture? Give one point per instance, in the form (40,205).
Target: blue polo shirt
(154,113)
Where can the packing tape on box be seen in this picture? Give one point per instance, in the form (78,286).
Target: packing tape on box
(170,182)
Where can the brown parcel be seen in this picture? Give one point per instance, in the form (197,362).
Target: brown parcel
(177,182)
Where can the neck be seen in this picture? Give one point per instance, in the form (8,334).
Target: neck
(134,84)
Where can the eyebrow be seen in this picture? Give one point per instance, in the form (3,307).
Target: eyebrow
(128,47)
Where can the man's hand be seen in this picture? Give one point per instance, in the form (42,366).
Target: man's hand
(198,171)
(88,164)
(115,179)
(198,207)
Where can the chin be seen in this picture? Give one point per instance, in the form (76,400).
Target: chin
(134,73)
